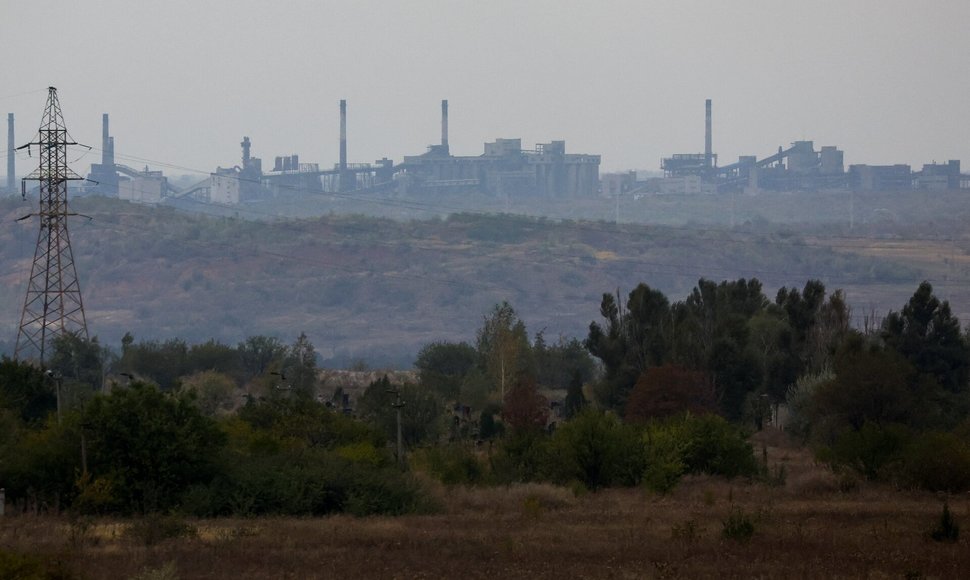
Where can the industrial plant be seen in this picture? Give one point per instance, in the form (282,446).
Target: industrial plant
(505,168)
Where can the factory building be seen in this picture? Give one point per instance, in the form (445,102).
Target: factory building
(504,168)
(150,187)
(798,168)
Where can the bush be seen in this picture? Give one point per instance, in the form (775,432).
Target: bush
(716,447)
(452,465)
(947,530)
(598,450)
(738,526)
(872,451)
(937,462)
(304,482)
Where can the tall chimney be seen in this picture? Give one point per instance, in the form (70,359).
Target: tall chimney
(343,135)
(111,152)
(245,152)
(11,145)
(708,152)
(106,157)
(444,124)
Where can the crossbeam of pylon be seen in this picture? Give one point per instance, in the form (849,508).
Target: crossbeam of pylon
(53,305)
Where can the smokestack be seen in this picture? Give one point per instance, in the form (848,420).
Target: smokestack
(11,145)
(111,151)
(708,152)
(343,135)
(245,150)
(444,125)
(105,144)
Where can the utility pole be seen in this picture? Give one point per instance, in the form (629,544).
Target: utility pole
(398,404)
(53,304)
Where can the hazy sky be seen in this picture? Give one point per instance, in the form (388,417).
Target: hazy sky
(886,80)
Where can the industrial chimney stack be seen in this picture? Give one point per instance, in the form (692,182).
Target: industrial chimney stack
(107,156)
(444,125)
(11,146)
(343,135)
(708,150)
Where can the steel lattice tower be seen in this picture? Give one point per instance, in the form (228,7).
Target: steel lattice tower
(53,304)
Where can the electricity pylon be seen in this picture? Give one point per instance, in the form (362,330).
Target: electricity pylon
(53,304)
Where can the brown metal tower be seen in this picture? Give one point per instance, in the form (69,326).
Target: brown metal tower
(53,305)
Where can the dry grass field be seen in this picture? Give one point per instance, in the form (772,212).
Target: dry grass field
(812,526)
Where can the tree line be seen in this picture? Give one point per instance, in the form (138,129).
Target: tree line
(656,390)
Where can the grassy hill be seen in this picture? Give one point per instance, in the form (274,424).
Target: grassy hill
(378,289)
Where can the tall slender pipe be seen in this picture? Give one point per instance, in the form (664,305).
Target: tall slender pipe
(444,124)
(343,135)
(11,145)
(106,157)
(708,149)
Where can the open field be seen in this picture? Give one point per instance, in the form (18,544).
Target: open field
(804,528)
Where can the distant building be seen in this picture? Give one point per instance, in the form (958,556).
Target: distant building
(150,187)
(504,169)
(939,177)
(880,177)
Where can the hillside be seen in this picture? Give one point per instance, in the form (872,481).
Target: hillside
(378,289)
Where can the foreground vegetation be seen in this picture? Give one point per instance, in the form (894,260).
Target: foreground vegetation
(815,525)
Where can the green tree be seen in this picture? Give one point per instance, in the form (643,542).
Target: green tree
(149,445)
(575,399)
(161,362)
(212,392)
(421,415)
(597,449)
(443,366)
(503,346)
(927,334)
(258,353)
(300,368)
(215,356)
(25,391)
(557,364)
(78,360)
(629,342)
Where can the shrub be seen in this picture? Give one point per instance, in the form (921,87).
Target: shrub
(598,450)
(453,465)
(937,462)
(154,528)
(716,447)
(870,451)
(738,526)
(947,530)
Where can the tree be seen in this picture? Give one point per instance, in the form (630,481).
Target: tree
(443,366)
(598,450)
(163,363)
(575,399)
(630,341)
(524,409)
(149,445)
(25,392)
(78,360)
(258,353)
(215,356)
(212,392)
(300,368)
(503,346)
(927,334)
(669,390)
(558,363)
(420,416)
